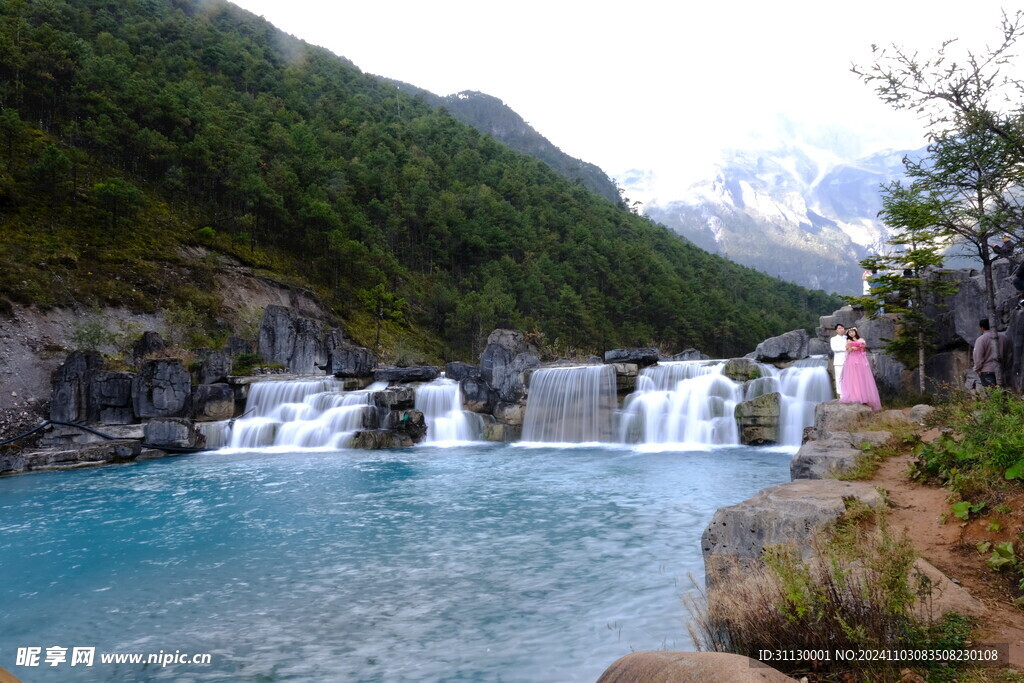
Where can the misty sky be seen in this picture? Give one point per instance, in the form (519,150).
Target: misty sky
(649,84)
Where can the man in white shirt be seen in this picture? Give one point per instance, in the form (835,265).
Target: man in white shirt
(838,344)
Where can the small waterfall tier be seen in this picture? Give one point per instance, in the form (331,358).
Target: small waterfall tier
(298,414)
(571,405)
(440,401)
(687,402)
(803,386)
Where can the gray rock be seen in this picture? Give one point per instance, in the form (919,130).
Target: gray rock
(502,433)
(100,453)
(920,412)
(292,340)
(477,396)
(503,361)
(510,413)
(690,667)
(237,345)
(833,416)
(348,360)
(846,316)
(642,357)
(171,432)
(150,344)
(215,366)
(738,534)
(458,371)
(211,402)
(877,332)
(161,389)
(947,370)
(69,399)
(688,354)
(891,376)
(111,398)
(417,373)
(380,438)
(758,419)
(408,422)
(792,345)
(395,398)
(742,370)
(823,460)
(818,347)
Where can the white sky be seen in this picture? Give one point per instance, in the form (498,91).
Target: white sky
(651,84)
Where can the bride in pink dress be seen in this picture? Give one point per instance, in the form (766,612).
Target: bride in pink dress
(857,383)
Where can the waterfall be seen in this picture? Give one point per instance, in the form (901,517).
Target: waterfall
(803,386)
(440,401)
(297,414)
(689,402)
(692,402)
(571,405)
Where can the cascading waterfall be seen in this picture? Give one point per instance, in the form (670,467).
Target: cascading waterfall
(692,402)
(803,385)
(571,405)
(440,402)
(688,402)
(299,414)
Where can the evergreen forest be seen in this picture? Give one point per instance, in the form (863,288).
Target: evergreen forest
(134,131)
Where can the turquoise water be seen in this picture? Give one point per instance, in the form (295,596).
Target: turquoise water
(485,562)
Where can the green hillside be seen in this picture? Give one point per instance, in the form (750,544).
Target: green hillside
(132,128)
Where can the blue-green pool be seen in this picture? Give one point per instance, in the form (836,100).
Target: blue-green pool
(482,562)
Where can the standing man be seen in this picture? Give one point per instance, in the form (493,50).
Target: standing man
(838,344)
(986,349)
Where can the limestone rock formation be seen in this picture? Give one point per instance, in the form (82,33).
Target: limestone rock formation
(417,373)
(503,361)
(295,341)
(759,421)
(212,402)
(173,432)
(349,360)
(823,459)
(738,534)
(69,399)
(642,357)
(792,345)
(161,389)
(742,370)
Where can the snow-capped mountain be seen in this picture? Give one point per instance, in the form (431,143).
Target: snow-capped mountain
(799,212)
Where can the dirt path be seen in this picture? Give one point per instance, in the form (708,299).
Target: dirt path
(949,544)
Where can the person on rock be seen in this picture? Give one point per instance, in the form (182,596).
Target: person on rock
(857,384)
(838,344)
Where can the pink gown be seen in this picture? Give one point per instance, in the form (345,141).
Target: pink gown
(857,383)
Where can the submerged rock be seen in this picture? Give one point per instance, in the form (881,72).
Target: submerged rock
(690,667)
(759,419)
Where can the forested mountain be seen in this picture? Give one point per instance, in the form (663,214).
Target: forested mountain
(491,116)
(134,128)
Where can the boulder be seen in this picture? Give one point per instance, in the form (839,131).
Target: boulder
(149,345)
(69,398)
(945,596)
(503,361)
(742,370)
(847,316)
(792,345)
(738,534)
(348,360)
(214,366)
(690,667)
(833,416)
(110,398)
(891,376)
(293,340)
(688,354)
(758,419)
(458,371)
(946,371)
(477,396)
(417,373)
(161,389)
(502,433)
(642,357)
(818,347)
(877,332)
(380,438)
(212,402)
(170,432)
(823,459)
(920,413)
(395,398)
(409,422)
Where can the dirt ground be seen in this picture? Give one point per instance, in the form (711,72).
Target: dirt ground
(950,545)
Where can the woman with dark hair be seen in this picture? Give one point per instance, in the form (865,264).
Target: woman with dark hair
(857,383)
